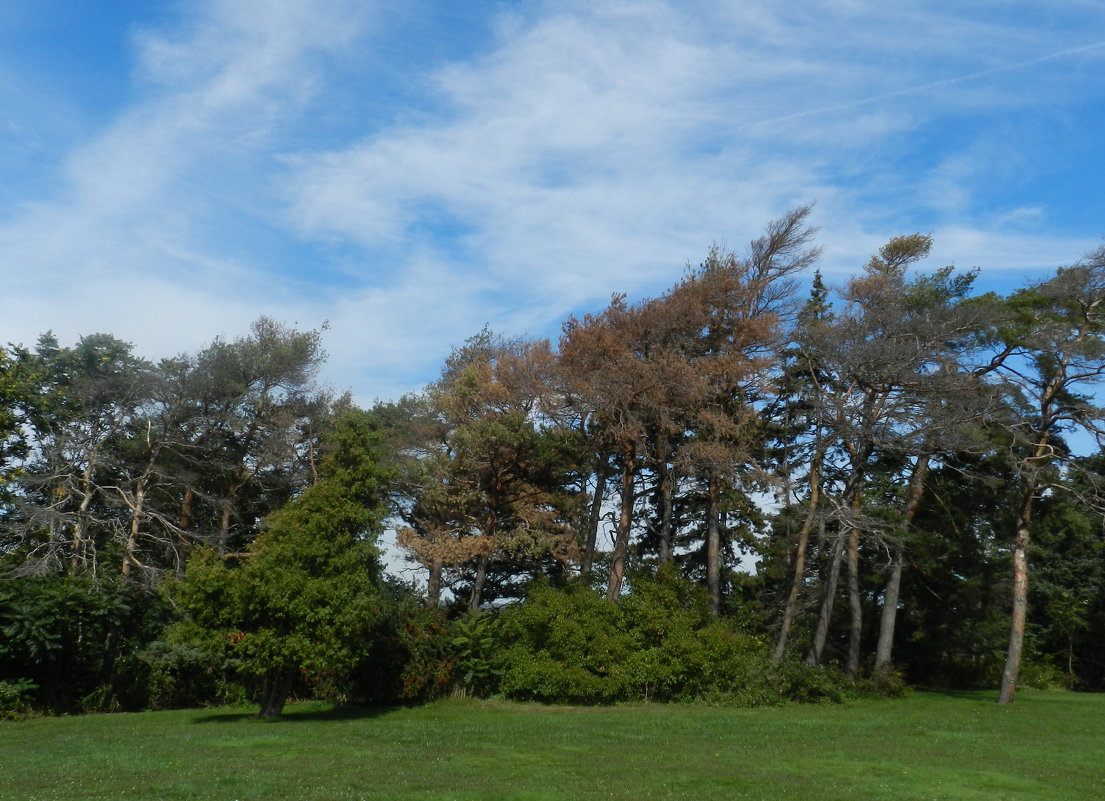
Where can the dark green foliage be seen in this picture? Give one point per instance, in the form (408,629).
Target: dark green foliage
(410,659)
(476,640)
(954,625)
(304,603)
(77,641)
(185,668)
(1067,598)
(659,644)
(16,698)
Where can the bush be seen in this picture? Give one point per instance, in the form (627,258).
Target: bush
(411,658)
(77,641)
(563,646)
(15,698)
(186,670)
(1041,674)
(474,644)
(659,644)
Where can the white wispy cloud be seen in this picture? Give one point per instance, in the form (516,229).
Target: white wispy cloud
(123,245)
(289,158)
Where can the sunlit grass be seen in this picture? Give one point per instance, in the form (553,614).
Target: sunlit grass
(929,746)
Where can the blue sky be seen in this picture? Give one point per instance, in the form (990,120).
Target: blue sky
(409,171)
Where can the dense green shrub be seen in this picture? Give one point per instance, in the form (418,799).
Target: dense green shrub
(660,643)
(187,668)
(77,640)
(563,645)
(411,659)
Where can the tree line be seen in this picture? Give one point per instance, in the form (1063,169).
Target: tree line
(913,468)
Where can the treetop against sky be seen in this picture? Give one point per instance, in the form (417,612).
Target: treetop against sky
(410,171)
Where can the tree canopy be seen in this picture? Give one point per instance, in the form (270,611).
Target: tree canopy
(887,481)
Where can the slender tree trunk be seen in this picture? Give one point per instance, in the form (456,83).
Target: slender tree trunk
(853,497)
(79,542)
(594,518)
(889,617)
(855,607)
(790,609)
(490,532)
(667,490)
(478,582)
(129,558)
(1020,593)
(828,593)
(625,524)
(713,545)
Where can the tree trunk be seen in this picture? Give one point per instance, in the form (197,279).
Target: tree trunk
(224,525)
(1020,594)
(186,508)
(855,606)
(790,609)
(433,583)
(594,518)
(853,496)
(889,617)
(713,545)
(817,647)
(129,558)
(478,582)
(276,688)
(667,490)
(625,524)
(79,540)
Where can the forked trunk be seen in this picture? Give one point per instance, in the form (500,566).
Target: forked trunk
(79,540)
(129,557)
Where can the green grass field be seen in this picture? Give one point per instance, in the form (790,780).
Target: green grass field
(1049,745)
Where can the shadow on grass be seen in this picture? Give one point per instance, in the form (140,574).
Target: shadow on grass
(304,714)
(964,695)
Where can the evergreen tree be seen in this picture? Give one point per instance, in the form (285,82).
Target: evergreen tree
(303,601)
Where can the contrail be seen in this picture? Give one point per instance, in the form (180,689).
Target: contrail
(1072,51)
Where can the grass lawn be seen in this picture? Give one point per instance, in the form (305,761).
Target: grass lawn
(1048,745)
